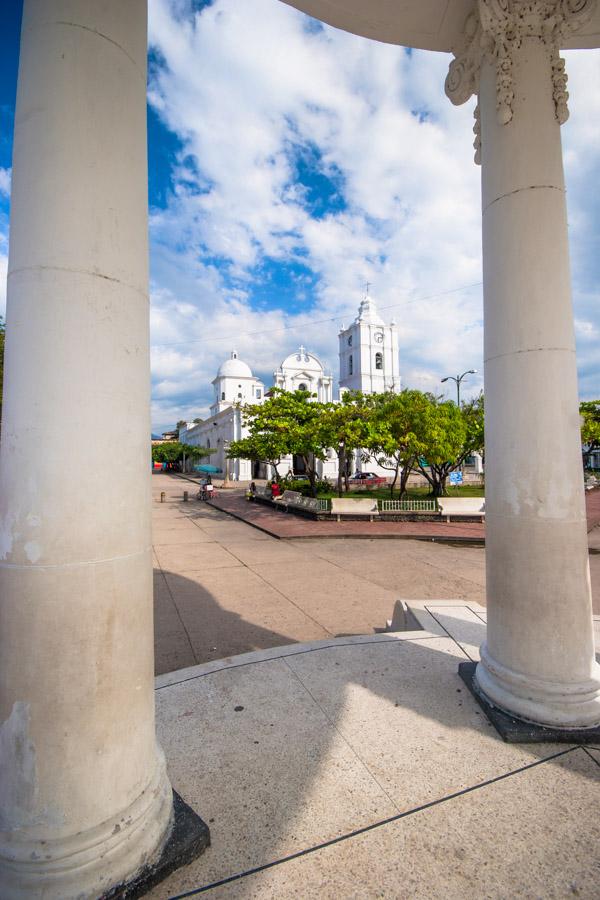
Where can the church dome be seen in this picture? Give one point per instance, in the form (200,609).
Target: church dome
(234,368)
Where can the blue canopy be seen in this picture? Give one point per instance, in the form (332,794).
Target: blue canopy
(211,469)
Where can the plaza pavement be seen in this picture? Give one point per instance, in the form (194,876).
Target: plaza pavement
(351,767)
(224,586)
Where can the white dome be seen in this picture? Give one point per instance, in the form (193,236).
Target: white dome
(234,368)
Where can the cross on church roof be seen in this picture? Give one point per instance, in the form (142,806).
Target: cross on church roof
(367,286)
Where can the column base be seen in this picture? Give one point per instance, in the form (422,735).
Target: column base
(120,858)
(189,838)
(515,730)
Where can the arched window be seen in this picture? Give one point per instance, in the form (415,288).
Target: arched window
(379,360)
(302,387)
(222,395)
(350,365)
(208,443)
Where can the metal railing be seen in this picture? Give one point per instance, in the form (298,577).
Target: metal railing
(408,506)
(323,504)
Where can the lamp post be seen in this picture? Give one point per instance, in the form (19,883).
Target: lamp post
(226,482)
(458,379)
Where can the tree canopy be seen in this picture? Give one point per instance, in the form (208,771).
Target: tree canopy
(293,422)
(449,434)
(398,438)
(409,431)
(348,426)
(173,452)
(589,411)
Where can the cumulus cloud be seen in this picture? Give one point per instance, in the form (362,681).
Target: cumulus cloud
(5,175)
(253,89)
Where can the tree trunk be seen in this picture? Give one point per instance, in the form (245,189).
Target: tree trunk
(394,479)
(406,470)
(341,469)
(346,478)
(309,467)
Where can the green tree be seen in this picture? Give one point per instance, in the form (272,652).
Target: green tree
(264,447)
(449,434)
(295,420)
(589,411)
(398,434)
(347,426)
(173,452)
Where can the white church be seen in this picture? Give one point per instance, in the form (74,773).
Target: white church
(368,358)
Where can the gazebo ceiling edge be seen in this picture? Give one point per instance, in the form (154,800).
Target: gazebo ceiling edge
(423,24)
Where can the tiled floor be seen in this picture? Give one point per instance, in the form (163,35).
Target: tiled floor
(363,768)
(356,766)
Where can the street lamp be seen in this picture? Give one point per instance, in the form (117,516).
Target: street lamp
(458,379)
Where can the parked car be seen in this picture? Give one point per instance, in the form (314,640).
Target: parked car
(367,479)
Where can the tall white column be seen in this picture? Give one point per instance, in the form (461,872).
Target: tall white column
(538,661)
(84,797)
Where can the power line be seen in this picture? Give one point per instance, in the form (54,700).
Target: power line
(309,324)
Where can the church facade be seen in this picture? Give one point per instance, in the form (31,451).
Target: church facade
(368,358)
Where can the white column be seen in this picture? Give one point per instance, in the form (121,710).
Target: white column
(538,661)
(84,797)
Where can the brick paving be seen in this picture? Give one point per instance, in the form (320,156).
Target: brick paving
(287,525)
(592,500)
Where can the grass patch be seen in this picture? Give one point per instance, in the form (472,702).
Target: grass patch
(414,493)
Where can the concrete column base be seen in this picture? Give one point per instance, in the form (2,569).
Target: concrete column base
(564,705)
(89,863)
(520,731)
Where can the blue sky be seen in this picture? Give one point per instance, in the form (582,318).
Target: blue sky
(289,163)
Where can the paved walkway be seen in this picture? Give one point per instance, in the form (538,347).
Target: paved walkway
(361,768)
(223,587)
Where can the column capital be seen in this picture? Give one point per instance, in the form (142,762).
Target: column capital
(494,30)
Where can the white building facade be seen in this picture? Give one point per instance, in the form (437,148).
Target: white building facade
(234,386)
(302,371)
(368,357)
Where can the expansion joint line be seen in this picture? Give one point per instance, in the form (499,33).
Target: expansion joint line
(367,828)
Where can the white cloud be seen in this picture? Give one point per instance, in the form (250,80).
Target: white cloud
(3,273)
(244,86)
(5,176)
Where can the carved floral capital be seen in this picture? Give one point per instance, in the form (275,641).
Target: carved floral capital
(494,30)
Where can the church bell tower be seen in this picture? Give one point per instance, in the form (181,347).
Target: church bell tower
(368,352)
